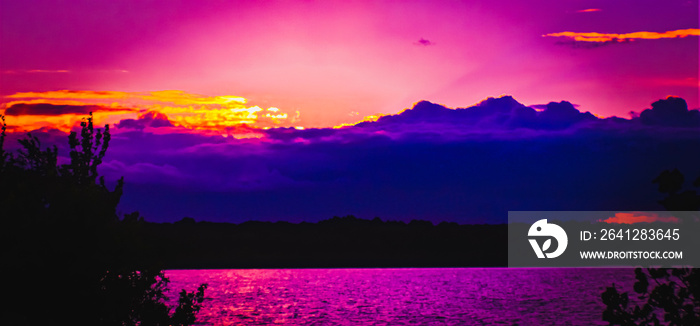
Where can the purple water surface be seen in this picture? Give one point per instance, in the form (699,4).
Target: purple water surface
(402,296)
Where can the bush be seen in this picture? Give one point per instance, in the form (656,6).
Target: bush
(674,296)
(70,259)
(670,293)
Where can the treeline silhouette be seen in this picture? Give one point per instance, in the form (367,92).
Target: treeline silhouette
(68,259)
(336,242)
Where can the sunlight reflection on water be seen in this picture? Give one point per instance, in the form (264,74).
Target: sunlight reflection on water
(402,296)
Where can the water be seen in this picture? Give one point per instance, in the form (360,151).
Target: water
(412,296)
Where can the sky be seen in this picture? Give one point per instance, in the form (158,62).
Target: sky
(337,62)
(226,110)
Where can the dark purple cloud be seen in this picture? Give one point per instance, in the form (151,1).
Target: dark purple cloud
(151,119)
(292,133)
(424,42)
(672,112)
(53,109)
(502,116)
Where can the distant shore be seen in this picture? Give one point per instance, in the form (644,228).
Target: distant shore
(346,242)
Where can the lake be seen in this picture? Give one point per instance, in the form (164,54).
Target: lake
(402,296)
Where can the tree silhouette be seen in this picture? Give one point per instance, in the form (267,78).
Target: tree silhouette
(71,259)
(671,183)
(673,293)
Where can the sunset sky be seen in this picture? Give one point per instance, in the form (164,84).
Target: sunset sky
(336,62)
(194,91)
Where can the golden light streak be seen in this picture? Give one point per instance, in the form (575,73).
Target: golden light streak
(184,98)
(369,118)
(172,96)
(36,71)
(41,71)
(611,37)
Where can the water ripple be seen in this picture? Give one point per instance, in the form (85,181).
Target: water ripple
(402,296)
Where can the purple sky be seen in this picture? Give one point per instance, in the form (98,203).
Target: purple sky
(336,62)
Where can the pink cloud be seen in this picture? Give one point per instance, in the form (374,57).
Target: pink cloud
(638,217)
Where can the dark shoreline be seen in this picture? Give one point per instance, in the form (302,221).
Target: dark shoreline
(346,242)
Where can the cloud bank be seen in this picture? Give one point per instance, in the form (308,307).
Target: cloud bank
(467,165)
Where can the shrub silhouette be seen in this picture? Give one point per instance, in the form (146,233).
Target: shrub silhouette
(70,259)
(673,293)
(676,292)
(671,183)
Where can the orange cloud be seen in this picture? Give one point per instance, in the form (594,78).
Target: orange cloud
(589,10)
(638,217)
(611,37)
(184,110)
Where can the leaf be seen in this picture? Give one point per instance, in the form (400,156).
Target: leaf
(546,244)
